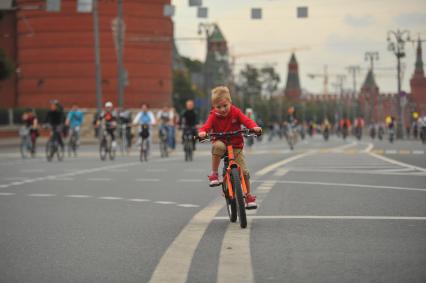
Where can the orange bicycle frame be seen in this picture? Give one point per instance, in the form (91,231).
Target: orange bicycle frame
(227,178)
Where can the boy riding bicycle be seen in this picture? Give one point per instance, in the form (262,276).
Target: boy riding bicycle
(225,117)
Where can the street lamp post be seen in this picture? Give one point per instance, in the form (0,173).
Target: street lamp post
(396,41)
(207,28)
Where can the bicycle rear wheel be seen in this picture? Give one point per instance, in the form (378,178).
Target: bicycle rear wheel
(236,186)
(103,149)
(50,150)
(231,204)
(60,152)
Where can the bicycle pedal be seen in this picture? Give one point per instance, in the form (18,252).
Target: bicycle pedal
(215,185)
(251,207)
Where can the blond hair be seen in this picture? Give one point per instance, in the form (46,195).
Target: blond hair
(219,93)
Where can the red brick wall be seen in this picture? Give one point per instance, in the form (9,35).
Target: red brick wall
(7,43)
(56,54)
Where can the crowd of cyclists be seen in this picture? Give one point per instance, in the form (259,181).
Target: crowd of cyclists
(120,125)
(112,124)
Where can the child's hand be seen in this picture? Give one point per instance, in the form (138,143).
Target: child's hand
(202,135)
(257,130)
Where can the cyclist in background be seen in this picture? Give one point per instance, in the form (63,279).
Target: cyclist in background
(55,118)
(109,117)
(74,120)
(31,123)
(189,120)
(144,117)
(125,118)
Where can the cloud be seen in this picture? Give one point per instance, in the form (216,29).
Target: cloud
(410,19)
(350,44)
(358,21)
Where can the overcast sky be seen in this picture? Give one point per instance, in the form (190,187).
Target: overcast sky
(338,33)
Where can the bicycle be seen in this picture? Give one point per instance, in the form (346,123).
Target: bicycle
(144,146)
(291,135)
(73,141)
(163,135)
(188,144)
(125,135)
(105,146)
(27,147)
(53,147)
(233,185)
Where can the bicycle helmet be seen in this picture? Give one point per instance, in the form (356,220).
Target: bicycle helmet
(108,104)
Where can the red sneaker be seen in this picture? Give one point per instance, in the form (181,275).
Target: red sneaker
(251,201)
(214,180)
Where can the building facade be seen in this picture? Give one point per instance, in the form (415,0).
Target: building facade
(55,56)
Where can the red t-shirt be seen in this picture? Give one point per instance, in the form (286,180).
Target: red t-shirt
(231,122)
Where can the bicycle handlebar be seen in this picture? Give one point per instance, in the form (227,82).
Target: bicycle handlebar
(245,132)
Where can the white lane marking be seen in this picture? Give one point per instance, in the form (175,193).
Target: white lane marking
(32,170)
(276,165)
(14,178)
(369,148)
(78,196)
(7,194)
(398,162)
(190,180)
(41,195)
(235,263)
(110,198)
(336,217)
(164,202)
(347,185)
(390,151)
(341,148)
(418,152)
(156,170)
(147,180)
(281,172)
(16,183)
(175,262)
(139,199)
(99,179)
(85,171)
(188,205)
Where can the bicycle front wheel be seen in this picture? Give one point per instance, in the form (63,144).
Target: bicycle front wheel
(103,149)
(50,150)
(236,184)
(231,204)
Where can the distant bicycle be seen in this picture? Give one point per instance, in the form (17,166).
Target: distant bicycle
(423,134)
(105,146)
(188,144)
(144,143)
(163,136)
(53,146)
(73,141)
(125,136)
(391,133)
(27,148)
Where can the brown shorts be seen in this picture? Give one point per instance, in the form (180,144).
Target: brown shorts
(219,149)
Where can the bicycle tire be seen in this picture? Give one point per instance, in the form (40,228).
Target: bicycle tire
(231,204)
(23,148)
(236,186)
(103,149)
(112,152)
(50,151)
(60,152)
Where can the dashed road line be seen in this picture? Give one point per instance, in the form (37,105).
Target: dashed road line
(7,194)
(110,198)
(418,152)
(139,199)
(188,205)
(78,196)
(164,202)
(41,195)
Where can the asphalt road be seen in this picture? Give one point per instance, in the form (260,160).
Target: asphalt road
(337,211)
